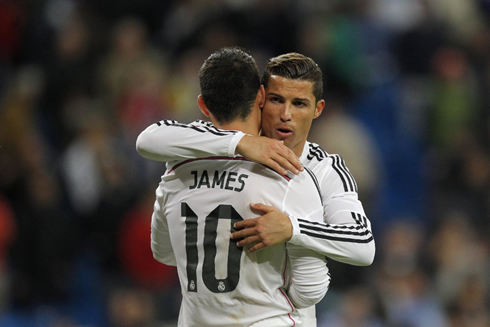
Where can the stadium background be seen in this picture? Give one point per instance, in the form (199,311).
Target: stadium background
(407,92)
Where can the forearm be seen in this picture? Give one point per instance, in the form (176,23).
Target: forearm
(309,277)
(161,245)
(350,243)
(169,140)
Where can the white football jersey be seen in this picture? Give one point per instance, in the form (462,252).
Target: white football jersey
(198,201)
(344,235)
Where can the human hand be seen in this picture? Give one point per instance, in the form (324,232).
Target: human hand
(270,152)
(274,227)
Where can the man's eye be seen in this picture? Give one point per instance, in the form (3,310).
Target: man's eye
(299,104)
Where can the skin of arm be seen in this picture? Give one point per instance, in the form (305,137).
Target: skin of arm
(270,152)
(273,227)
(170,141)
(344,236)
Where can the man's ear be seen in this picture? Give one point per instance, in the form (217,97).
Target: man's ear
(202,106)
(261,96)
(320,105)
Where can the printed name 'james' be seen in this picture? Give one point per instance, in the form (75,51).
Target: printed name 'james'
(227,180)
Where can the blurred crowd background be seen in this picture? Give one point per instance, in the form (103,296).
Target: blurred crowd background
(407,87)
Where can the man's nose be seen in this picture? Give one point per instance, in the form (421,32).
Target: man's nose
(286,113)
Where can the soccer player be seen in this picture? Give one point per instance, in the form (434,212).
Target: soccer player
(199,201)
(293,85)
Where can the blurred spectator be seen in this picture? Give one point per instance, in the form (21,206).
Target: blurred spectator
(184,85)
(454,101)
(459,255)
(131,308)
(407,296)
(12,20)
(42,253)
(338,132)
(70,68)
(135,255)
(461,18)
(98,181)
(357,307)
(157,282)
(7,236)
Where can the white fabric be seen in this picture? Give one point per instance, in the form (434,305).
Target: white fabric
(197,198)
(344,234)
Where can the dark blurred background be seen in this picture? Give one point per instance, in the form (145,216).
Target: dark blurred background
(407,86)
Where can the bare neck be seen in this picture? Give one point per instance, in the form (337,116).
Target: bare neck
(239,125)
(251,125)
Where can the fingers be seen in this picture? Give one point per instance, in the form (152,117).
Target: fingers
(291,162)
(294,161)
(246,223)
(254,241)
(243,233)
(270,152)
(288,159)
(284,164)
(277,167)
(281,161)
(249,241)
(260,207)
(257,247)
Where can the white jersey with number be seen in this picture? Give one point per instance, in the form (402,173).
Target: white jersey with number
(345,234)
(198,201)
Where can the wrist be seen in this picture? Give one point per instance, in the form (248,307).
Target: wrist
(237,144)
(295,231)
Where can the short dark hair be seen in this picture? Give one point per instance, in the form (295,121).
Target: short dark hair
(297,67)
(229,80)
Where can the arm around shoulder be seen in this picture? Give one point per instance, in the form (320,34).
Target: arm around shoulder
(150,144)
(170,140)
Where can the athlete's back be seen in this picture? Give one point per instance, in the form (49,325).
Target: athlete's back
(198,201)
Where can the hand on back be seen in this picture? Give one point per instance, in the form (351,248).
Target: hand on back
(274,227)
(270,152)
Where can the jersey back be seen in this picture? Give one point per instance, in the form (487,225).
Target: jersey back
(223,285)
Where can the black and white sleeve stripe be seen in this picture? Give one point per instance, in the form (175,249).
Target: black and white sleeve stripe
(338,165)
(316,152)
(199,126)
(348,180)
(353,233)
(315,180)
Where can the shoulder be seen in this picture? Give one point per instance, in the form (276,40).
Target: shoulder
(316,158)
(199,125)
(207,126)
(330,168)
(304,198)
(314,152)
(306,182)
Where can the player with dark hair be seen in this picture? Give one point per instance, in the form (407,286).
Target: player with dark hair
(293,86)
(293,99)
(199,201)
